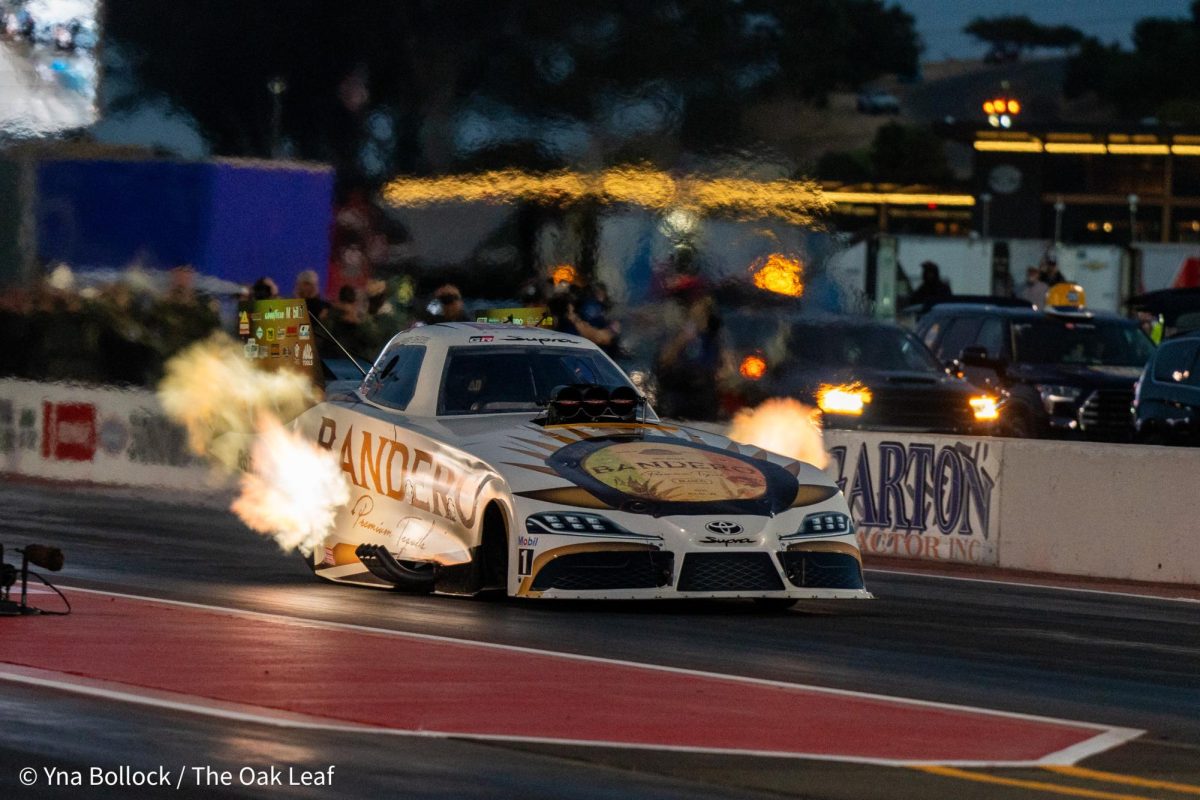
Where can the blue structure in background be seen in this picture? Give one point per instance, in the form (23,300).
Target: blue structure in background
(236,220)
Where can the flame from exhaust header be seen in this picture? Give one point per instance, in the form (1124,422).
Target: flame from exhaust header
(227,405)
(293,490)
(213,390)
(783,426)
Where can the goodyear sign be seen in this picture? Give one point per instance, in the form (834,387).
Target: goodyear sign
(934,498)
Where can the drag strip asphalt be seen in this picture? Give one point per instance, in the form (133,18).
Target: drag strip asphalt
(1112,661)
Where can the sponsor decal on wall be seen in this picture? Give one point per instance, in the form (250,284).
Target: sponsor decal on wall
(68,431)
(114,434)
(94,434)
(18,428)
(933,498)
(157,440)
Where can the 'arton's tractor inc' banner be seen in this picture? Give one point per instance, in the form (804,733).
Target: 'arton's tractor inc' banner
(934,498)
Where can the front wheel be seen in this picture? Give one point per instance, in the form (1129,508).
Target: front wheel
(494,550)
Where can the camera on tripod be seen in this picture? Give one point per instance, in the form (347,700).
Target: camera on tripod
(39,555)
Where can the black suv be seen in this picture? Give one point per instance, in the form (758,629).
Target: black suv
(897,383)
(1167,400)
(1065,374)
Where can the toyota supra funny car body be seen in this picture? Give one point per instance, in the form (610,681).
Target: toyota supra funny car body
(520,459)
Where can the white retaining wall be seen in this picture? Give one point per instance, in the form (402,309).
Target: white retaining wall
(1116,511)
(1075,508)
(96,435)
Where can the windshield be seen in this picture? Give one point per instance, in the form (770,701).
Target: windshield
(872,347)
(1091,343)
(483,380)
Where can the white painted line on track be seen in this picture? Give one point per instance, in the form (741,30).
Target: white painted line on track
(1069,756)
(172,701)
(1026,585)
(1107,737)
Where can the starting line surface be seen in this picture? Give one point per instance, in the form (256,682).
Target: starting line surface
(309,673)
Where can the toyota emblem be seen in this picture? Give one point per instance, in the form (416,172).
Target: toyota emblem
(723,527)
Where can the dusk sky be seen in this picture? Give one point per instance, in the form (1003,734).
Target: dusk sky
(940,22)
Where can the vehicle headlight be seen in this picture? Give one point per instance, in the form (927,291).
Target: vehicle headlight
(847,399)
(822,523)
(985,408)
(1053,394)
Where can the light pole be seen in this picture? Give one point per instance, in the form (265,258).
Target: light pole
(986,199)
(1133,203)
(276,86)
(1059,208)
(1001,111)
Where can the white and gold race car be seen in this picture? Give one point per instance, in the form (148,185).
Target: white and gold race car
(494,457)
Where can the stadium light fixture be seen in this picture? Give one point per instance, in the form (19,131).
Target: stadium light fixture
(1002,111)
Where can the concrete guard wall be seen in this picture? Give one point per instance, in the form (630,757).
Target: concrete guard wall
(1117,511)
(86,434)
(1105,510)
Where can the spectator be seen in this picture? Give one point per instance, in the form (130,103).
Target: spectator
(184,315)
(346,309)
(1051,274)
(308,287)
(932,287)
(535,292)
(182,286)
(561,306)
(447,305)
(1034,288)
(383,318)
(125,350)
(264,289)
(377,299)
(347,326)
(689,363)
(591,317)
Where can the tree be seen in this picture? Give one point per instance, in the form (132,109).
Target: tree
(1155,79)
(1010,36)
(904,154)
(427,86)
(908,154)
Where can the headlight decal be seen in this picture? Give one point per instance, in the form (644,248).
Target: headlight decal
(822,523)
(575,523)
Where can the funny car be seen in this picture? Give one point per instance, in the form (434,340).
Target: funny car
(495,457)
